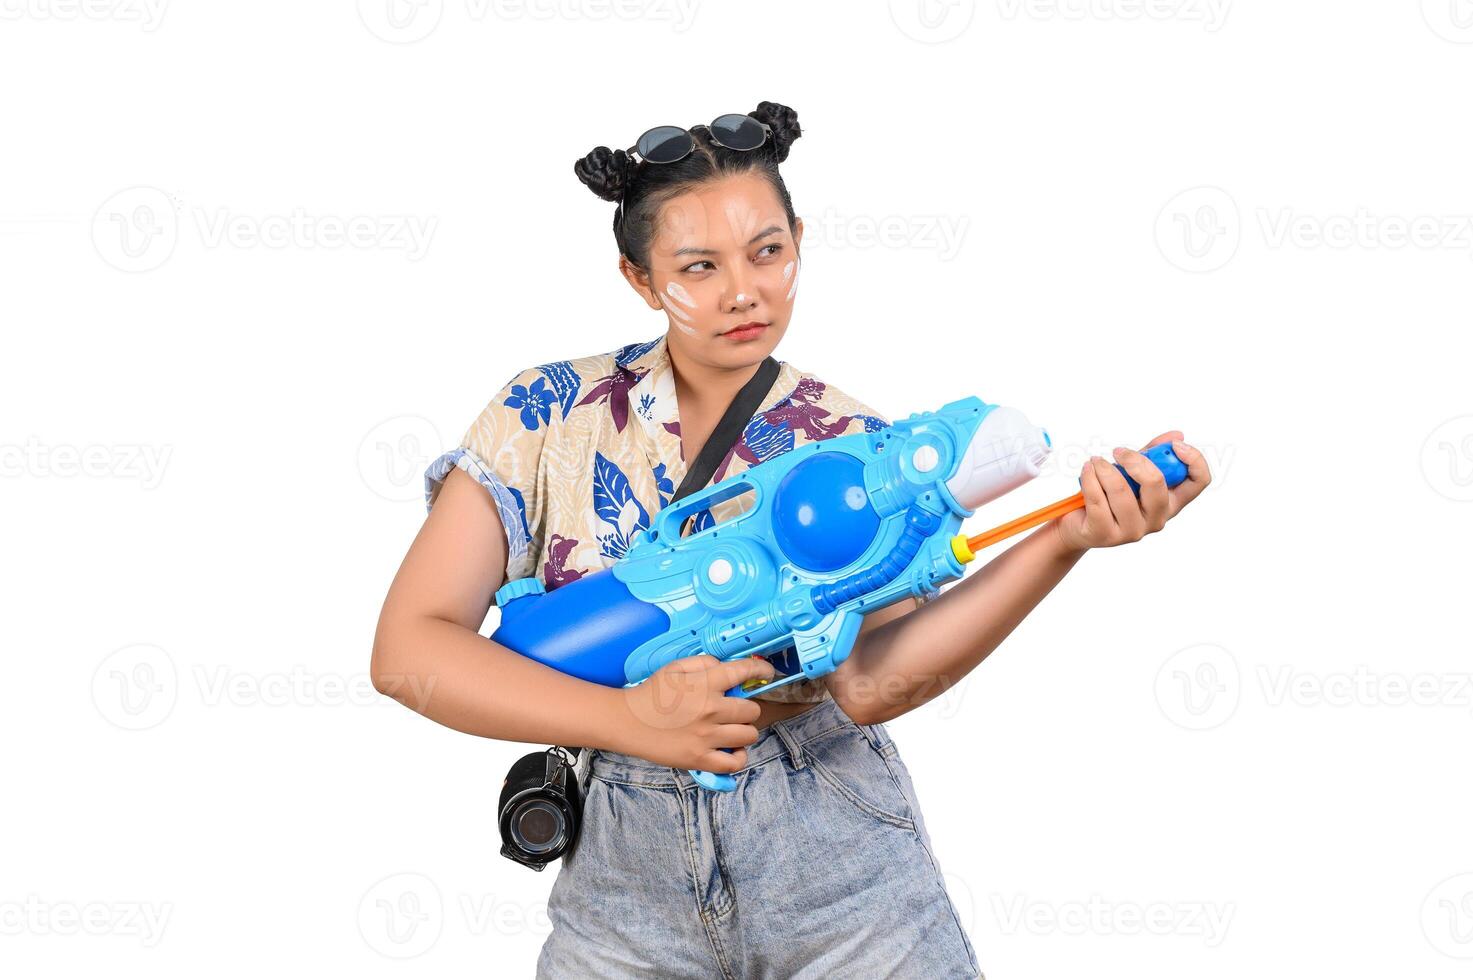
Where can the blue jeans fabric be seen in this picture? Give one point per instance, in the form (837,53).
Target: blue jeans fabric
(818,865)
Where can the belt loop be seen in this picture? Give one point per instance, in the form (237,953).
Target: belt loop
(795,751)
(586,776)
(876,736)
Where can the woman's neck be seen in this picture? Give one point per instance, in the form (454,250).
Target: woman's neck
(703,391)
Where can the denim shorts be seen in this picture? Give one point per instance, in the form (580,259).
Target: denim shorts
(817,865)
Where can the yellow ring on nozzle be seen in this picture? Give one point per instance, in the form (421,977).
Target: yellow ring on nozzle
(960,549)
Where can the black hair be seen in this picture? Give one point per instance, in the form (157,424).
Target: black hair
(641,189)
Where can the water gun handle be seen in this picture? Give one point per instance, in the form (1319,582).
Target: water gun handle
(1166,461)
(721,781)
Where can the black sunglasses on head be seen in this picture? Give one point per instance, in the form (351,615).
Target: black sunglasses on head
(671,144)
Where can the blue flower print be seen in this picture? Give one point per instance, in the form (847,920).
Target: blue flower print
(615,503)
(565,382)
(664,485)
(646,403)
(535,402)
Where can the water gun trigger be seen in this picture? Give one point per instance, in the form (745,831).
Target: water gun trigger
(828,644)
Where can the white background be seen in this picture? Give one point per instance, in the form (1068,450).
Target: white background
(1239,748)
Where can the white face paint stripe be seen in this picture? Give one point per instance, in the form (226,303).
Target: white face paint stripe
(677,292)
(788,271)
(794,287)
(674,311)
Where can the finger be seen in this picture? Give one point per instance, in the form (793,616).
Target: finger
(734,672)
(1097,517)
(699,661)
(737,711)
(1155,502)
(1173,436)
(716,760)
(733,736)
(1123,505)
(1198,475)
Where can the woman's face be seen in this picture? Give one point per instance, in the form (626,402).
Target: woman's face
(723,256)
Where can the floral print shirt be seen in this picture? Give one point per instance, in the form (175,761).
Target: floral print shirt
(580,454)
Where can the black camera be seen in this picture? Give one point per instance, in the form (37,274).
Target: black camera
(541,808)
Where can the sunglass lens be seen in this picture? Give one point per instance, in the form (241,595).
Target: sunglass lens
(664,144)
(738,131)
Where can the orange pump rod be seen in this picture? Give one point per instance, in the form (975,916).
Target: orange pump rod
(1056,509)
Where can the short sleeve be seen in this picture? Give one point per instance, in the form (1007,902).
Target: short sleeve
(502,450)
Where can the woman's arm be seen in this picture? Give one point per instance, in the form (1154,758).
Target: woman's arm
(428,653)
(908,658)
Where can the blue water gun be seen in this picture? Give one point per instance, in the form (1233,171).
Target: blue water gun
(835,530)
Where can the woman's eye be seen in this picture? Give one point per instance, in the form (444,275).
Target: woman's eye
(776,248)
(693,266)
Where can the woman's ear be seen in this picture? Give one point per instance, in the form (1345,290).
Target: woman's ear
(639,281)
(797,234)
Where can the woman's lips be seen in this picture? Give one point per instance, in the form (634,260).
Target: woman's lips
(746,331)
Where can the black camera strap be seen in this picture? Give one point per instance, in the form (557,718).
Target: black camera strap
(728,430)
(743,406)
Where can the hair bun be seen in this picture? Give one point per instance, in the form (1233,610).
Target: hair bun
(606,172)
(783,122)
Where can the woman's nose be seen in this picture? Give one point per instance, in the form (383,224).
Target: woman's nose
(740,292)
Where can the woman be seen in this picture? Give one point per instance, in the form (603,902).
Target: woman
(818,864)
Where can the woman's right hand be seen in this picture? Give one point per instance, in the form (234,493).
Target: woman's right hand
(683,718)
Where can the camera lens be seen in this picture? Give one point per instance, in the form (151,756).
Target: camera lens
(537,826)
(540,808)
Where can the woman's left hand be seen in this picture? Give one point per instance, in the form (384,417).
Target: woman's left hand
(1112,515)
